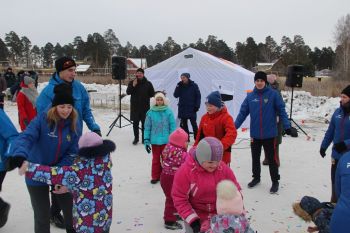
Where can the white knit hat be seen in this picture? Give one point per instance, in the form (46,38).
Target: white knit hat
(228,198)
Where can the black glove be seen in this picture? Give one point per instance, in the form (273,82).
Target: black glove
(98,132)
(196,226)
(14,162)
(288,131)
(25,121)
(148,148)
(340,147)
(179,84)
(322,152)
(196,109)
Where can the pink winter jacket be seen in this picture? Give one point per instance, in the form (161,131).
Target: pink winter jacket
(194,190)
(172,158)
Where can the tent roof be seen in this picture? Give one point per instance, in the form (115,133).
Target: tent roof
(209,72)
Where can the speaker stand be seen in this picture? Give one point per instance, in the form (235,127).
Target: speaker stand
(290,116)
(120,115)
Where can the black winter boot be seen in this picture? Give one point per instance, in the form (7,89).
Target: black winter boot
(4,212)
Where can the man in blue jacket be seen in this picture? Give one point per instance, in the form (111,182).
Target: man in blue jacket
(65,73)
(264,105)
(338,132)
(8,133)
(189,102)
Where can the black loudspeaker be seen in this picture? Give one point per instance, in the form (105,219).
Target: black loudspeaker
(295,76)
(118,68)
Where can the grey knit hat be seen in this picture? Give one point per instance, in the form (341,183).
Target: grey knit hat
(209,149)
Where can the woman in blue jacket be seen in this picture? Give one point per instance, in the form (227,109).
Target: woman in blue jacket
(50,139)
(338,132)
(8,133)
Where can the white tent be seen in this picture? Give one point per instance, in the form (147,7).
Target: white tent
(209,72)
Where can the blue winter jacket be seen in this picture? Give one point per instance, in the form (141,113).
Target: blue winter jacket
(338,131)
(263,106)
(159,124)
(8,134)
(189,99)
(340,221)
(42,144)
(81,102)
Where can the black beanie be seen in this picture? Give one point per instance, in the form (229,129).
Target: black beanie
(63,95)
(64,63)
(346,91)
(260,75)
(140,70)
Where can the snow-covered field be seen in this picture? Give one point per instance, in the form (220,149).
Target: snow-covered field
(138,205)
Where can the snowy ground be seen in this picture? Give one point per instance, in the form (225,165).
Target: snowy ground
(138,205)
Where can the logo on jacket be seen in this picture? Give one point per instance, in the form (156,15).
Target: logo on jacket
(266,100)
(339,116)
(347,165)
(255,100)
(69,138)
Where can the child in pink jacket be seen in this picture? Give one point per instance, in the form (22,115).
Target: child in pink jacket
(194,188)
(173,156)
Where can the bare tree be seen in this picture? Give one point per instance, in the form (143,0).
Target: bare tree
(342,40)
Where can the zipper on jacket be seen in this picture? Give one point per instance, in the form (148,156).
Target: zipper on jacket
(260,112)
(59,132)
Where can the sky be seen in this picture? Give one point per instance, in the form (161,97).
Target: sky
(148,22)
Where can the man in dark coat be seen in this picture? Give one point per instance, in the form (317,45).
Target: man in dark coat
(3,87)
(141,90)
(189,102)
(10,77)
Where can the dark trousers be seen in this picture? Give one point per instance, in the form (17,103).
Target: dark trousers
(334,166)
(39,196)
(136,128)
(156,166)
(269,146)
(2,96)
(184,126)
(55,206)
(166,181)
(2,177)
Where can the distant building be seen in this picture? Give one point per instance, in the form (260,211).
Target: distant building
(323,73)
(133,64)
(276,67)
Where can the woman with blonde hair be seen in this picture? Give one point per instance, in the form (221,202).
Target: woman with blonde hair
(50,139)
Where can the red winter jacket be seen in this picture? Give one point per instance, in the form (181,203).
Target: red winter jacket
(221,126)
(194,189)
(26,110)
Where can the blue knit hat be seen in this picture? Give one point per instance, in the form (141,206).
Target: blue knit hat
(187,75)
(214,98)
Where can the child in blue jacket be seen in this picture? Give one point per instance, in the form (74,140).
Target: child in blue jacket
(159,124)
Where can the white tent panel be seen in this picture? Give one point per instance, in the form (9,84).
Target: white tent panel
(209,72)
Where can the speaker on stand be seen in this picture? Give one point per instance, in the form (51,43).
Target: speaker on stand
(119,73)
(295,74)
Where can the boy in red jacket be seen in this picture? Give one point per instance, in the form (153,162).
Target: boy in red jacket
(218,123)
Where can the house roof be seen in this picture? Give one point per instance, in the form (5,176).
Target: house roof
(82,68)
(139,62)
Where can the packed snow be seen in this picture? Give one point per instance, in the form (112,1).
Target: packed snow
(138,205)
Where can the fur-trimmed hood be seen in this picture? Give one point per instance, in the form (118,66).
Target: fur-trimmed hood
(97,151)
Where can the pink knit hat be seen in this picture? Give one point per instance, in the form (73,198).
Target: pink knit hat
(178,138)
(228,198)
(91,145)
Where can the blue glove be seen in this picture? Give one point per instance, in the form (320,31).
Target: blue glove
(98,132)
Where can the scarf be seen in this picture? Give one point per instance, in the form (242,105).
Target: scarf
(159,108)
(31,94)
